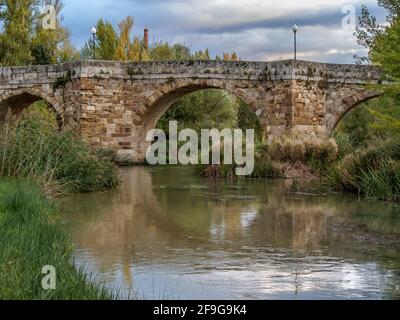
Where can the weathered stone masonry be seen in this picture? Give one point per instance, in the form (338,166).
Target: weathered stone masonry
(114,104)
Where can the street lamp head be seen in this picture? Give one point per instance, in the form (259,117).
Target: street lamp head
(94,30)
(295,28)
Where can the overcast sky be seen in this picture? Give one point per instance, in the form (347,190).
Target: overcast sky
(255,29)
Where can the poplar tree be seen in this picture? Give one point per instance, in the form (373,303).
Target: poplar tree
(124,41)
(107,40)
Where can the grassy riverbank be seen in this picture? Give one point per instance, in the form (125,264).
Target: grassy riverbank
(37,163)
(31,238)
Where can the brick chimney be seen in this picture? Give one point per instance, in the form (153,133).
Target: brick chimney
(146,39)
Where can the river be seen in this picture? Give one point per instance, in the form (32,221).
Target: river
(168,234)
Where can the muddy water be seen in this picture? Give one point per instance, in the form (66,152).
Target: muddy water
(168,234)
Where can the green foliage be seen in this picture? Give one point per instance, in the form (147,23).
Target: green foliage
(107,40)
(264,167)
(18,18)
(24,41)
(372,121)
(386,48)
(345,144)
(368,29)
(211,108)
(356,124)
(382,41)
(161,51)
(57,161)
(31,238)
(247,119)
(202,110)
(373,171)
(382,182)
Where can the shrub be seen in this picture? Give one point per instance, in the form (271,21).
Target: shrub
(292,149)
(287,149)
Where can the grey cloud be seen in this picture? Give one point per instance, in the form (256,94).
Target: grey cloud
(176,21)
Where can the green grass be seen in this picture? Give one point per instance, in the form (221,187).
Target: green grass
(37,162)
(373,171)
(31,238)
(58,162)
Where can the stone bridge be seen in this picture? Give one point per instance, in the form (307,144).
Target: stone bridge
(114,104)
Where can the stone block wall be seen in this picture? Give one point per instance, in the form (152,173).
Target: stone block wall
(114,104)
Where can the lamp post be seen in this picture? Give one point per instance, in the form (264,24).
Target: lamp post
(295,29)
(94,31)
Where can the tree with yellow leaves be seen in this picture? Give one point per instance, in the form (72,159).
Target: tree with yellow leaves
(124,40)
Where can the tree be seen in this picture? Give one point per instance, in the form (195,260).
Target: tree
(161,51)
(106,40)
(386,50)
(181,52)
(369,30)
(18,18)
(50,46)
(247,119)
(124,40)
(135,50)
(67,52)
(25,41)
(234,57)
(202,110)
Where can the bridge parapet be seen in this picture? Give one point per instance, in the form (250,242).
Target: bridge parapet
(234,70)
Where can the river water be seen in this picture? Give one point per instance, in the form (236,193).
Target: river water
(168,234)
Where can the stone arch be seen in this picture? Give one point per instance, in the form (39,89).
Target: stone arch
(347,103)
(15,101)
(165,94)
(163,98)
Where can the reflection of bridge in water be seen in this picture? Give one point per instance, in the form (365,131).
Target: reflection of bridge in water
(168,219)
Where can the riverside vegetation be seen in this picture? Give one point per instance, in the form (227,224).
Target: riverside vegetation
(371,169)
(38,163)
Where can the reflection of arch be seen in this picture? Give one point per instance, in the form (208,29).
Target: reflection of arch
(16,101)
(348,104)
(161,100)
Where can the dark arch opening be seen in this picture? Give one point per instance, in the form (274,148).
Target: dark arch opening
(359,122)
(15,107)
(351,109)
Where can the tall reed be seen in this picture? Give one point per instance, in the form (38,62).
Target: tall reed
(56,161)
